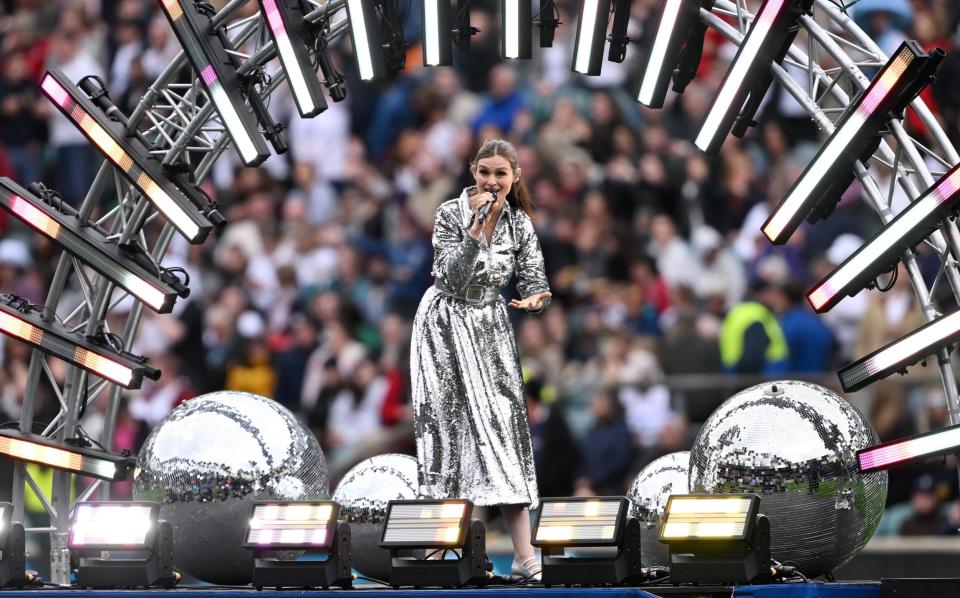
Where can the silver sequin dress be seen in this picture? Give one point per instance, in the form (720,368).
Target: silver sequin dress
(473,437)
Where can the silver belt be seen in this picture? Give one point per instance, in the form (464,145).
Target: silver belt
(473,294)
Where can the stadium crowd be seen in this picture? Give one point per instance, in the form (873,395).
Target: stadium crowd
(659,272)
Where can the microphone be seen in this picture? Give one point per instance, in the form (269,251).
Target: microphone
(486,208)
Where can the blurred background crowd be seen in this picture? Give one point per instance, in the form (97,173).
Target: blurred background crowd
(667,299)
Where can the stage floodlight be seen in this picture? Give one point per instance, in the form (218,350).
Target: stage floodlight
(883,251)
(367,39)
(22,321)
(587,522)
(856,137)
(13,573)
(218,76)
(156,288)
(299,525)
(680,33)
(435,525)
(591,36)
(716,539)
(901,353)
(516,26)
(128,156)
(907,450)
(285,20)
(437,40)
(140,545)
(770,35)
(66,457)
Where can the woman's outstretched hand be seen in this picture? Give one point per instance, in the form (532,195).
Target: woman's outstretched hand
(531,303)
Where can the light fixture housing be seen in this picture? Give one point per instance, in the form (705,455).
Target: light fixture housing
(438,525)
(679,38)
(129,157)
(587,522)
(299,525)
(437,39)
(907,450)
(717,538)
(856,137)
(21,321)
(13,573)
(285,21)
(139,542)
(367,38)
(21,446)
(884,249)
(769,38)
(218,76)
(591,37)
(516,26)
(157,290)
(901,353)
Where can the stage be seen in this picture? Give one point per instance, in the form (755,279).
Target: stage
(786,590)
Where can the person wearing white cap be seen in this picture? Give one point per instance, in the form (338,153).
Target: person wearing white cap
(844,319)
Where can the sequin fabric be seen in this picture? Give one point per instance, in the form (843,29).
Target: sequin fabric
(473,438)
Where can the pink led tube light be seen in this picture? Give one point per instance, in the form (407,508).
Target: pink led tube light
(900,452)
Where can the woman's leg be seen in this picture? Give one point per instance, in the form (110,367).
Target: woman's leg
(518,522)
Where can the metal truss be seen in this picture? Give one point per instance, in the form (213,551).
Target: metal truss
(176,115)
(833,52)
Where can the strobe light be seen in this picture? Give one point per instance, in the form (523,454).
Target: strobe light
(679,39)
(285,20)
(591,36)
(717,539)
(898,355)
(217,74)
(22,321)
(156,288)
(855,137)
(310,526)
(437,41)
(435,525)
(768,39)
(13,572)
(587,522)
(908,450)
(516,25)
(881,252)
(140,545)
(65,457)
(367,39)
(130,158)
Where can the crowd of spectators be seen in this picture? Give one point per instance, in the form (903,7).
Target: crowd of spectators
(654,254)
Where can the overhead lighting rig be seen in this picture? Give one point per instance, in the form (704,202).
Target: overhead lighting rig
(98,354)
(769,38)
(883,251)
(180,203)
(128,266)
(376,31)
(81,460)
(548,20)
(897,356)
(208,51)
(856,137)
(676,50)
(591,36)
(908,450)
(516,24)
(292,38)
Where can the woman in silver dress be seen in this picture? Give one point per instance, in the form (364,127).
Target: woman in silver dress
(473,438)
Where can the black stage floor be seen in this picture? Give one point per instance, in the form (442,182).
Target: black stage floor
(787,590)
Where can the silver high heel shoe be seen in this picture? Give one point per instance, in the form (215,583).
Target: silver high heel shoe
(529,569)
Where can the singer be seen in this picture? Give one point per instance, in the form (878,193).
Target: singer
(473,438)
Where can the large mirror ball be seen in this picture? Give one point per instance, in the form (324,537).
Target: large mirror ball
(209,460)
(795,444)
(648,496)
(363,494)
